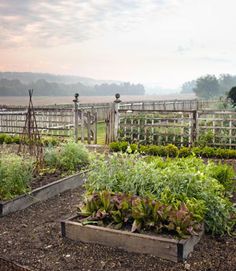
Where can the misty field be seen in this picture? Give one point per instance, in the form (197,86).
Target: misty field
(43,100)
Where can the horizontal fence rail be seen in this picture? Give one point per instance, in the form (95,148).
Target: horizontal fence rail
(102,108)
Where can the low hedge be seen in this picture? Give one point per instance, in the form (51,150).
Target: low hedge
(15,139)
(173,151)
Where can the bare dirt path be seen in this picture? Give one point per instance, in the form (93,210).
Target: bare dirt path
(32,238)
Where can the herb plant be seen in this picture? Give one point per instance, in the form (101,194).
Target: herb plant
(68,156)
(202,187)
(15,175)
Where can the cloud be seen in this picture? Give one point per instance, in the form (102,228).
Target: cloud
(57,22)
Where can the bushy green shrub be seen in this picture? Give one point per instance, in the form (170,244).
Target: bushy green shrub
(8,139)
(134,147)
(223,173)
(16,139)
(115,146)
(2,138)
(153,150)
(205,139)
(179,179)
(143,149)
(185,152)
(68,156)
(171,150)
(208,152)
(51,157)
(15,175)
(50,141)
(123,146)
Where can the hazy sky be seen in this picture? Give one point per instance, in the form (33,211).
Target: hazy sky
(162,41)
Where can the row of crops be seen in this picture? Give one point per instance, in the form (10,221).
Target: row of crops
(140,193)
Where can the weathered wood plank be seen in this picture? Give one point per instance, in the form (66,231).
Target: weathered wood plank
(166,248)
(42,193)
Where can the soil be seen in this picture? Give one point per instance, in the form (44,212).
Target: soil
(47,178)
(32,238)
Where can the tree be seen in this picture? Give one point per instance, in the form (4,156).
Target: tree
(207,87)
(226,82)
(232,95)
(188,86)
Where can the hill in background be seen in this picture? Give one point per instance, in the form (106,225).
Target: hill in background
(44,84)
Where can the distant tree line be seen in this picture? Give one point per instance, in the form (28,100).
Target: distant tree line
(41,87)
(209,86)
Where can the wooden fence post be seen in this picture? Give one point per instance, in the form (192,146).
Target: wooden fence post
(116,105)
(82,125)
(194,128)
(76,116)
(89,127)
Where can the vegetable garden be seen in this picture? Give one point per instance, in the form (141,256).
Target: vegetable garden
(164,190)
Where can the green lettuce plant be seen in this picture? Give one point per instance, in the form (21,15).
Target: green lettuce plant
(120,210)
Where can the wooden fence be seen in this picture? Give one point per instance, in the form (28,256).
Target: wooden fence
(51,122)
(218,128)
(157,126)
(182,122)
(182,128)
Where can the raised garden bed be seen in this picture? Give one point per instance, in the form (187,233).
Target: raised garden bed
(42,193)
(163,247)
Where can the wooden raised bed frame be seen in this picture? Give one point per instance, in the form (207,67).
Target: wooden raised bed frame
(42,193)
(162,247)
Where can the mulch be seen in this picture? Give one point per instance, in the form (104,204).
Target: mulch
(32,238)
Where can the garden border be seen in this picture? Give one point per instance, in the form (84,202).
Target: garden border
(42,193)
(162,247)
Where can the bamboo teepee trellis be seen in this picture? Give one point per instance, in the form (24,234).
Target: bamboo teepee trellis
(30,139)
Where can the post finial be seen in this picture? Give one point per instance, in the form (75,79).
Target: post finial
(117,95)
(76,98)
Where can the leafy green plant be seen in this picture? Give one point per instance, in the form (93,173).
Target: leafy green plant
(171,150)
(123,146)
(121,210)
(184,152)
(223,173)
(15,175)
(8,139)
(205,139)
(50,141)
(68,156)
(2,138)
(115,146)
(134,147)
(169,181)
(208,152)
